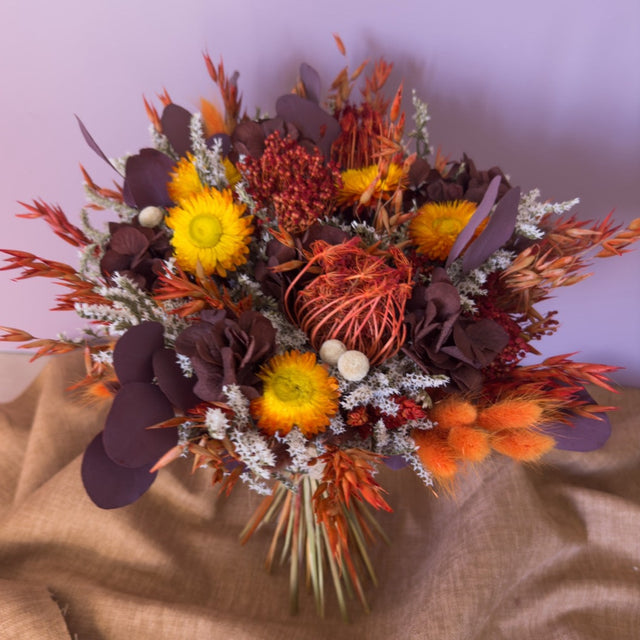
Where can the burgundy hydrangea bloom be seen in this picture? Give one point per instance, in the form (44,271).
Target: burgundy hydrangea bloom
(135,251)
(463,181)
(297,185)
(227,350)
(297,118)
(442,341)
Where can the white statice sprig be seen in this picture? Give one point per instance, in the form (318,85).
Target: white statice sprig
(301,451)
(161,143)
(207,159)
(254,451)
(216,423)
(130,306)
(531,211)
(421,133)
(239,404)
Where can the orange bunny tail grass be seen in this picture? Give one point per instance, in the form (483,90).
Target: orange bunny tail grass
(453,412)
(523,445)
(468,443)
(437,457)
(511,413)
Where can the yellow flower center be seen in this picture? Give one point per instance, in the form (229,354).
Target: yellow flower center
(205,231)
(447,226)
(290,388)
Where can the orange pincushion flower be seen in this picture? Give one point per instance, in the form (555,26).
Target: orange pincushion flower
(436,455)
(524,445)
(358,298)
(511,413)
(453,412)
(470,444)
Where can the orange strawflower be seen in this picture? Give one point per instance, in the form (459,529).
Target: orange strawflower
(297,392)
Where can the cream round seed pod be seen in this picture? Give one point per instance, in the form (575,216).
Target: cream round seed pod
(331,350)
(353,365)
(150,217)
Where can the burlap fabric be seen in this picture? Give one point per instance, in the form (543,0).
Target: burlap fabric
(544,552)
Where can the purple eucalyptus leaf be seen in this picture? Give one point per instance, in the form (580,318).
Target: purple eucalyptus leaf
(311,81)
(109,485)
(92,143)
(176,122)
(127,196)
(313,122)
(395,462)
(479,215)
(171,380)
(133,353)
(499,229)
(146,178)
(582,433)
(127,440)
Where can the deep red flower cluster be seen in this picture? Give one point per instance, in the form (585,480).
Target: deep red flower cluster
(298,185)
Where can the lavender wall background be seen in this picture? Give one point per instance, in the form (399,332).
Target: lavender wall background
(549,90)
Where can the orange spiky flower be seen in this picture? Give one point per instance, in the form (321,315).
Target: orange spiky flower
(358,298)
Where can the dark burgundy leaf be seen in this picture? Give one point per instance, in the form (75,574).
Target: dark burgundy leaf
(127,196)
(582,434)
(313,122)
(248,138)
(92,143)
(133,353)
(176,122)
(480,214)
(171,380)
(109,485)
(418,172)
(311,81)
(146,178)
(499,229)
(127,440)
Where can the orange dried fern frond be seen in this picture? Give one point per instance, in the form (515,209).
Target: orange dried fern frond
(198,293)
(55,217)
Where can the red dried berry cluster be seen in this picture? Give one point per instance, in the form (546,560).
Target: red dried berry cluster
(299,186)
